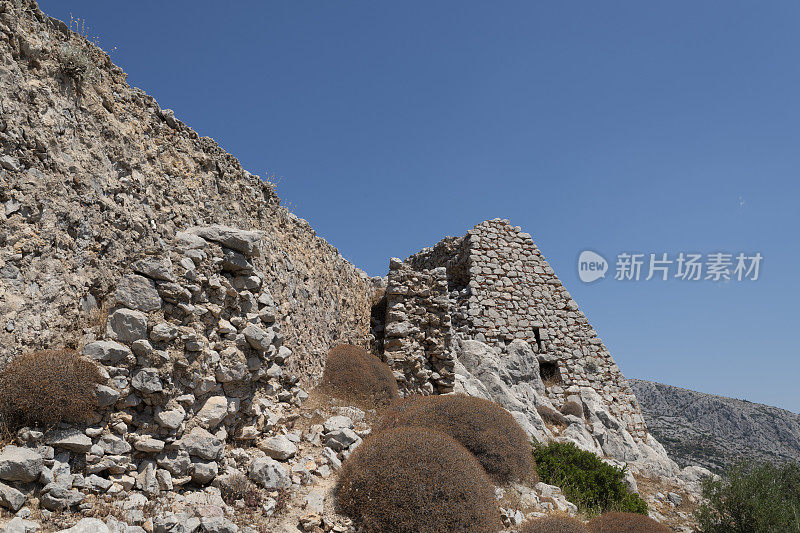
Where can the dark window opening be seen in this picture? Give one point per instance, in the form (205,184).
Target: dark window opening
(549,372)
(378,324)
(538,339)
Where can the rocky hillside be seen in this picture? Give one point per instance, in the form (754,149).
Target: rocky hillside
(715,431)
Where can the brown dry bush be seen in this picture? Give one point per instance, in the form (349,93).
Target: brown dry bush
(551,416)
(572,408)
(626,523)
(409,480)
(351,373)
(484,428)
(554,524)
(45,388)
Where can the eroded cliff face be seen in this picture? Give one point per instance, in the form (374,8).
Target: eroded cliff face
(95,175)
(714,431)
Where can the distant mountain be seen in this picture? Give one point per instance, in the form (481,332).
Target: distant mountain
(715,431)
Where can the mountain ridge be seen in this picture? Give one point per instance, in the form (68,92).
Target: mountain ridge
(715,431)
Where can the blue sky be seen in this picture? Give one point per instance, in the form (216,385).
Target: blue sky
(613,126)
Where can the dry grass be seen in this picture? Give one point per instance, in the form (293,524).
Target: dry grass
(44,388)
(484,428)
(409,480)
(353,374)
(626,523)
(572,408)
(551,416)
(553,524)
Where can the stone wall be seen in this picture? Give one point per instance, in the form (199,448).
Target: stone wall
(95,175)
(501,288)
(417,334)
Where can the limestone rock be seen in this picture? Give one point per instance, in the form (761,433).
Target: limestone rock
(269,473)
(108,352)
(244,241)
(279,447)
(137,292)
(200,443)
(11,498)
(19,464)
(127,325)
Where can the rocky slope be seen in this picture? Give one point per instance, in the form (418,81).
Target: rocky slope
(715,431)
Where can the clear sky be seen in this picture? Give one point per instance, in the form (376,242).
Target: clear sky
(611,126)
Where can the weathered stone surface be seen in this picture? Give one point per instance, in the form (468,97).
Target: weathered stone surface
(213,412)
(337,422)
(244,241)
(158,268)
(278,447)
(200,443)
(127,325)
(11,498)
(269,473)
(258,338)
(137,292)
(19,464)
(147,380)
(106,396)
(204,472)
(108,352)
(69,439)
(88,525)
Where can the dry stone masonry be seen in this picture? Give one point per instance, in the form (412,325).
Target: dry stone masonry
(494,286)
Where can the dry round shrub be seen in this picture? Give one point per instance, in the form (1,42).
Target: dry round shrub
(553,524)
(409,480)
(572,408)
(353,374)
(551,416)
(45,388)
(626,523)
(484,428)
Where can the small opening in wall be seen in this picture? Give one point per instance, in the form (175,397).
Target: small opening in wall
(378,324)
(549,372)
(538,339)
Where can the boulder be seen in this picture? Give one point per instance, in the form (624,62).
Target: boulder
(200,443)
(159,268)
(269,473)
(258,338)
(20,464)
(11,498)
(107,352)
(137,292)
(244,241)
(147,380)
(213,412)
(127,325)
(88,525)
(278,447)
(70,439)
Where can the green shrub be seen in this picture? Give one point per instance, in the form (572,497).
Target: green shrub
(484,428)
(353,374)
(752,497)
(45,388)
(553,524)
(410,480)
(594,486)
(626,523)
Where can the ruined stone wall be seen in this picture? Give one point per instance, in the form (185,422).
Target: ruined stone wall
(94,175)
(417,335)
(501,288)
